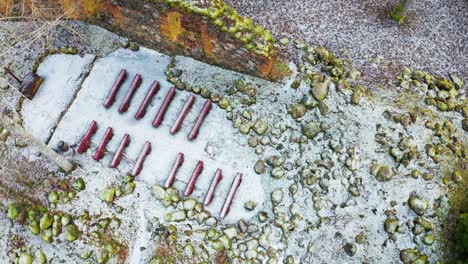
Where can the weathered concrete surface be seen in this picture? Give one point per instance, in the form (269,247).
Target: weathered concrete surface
(62,78)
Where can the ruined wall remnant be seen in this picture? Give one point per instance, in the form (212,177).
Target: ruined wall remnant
(207,30)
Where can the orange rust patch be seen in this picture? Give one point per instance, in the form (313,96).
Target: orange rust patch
(71,9)
(92,7)
(171,25)
(5,6)
(265,68)
(207,44)
(117,14)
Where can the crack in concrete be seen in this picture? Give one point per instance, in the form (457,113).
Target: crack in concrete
(86,71)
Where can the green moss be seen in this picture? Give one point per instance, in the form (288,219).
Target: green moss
(398,12)
(461,236)
(254,37)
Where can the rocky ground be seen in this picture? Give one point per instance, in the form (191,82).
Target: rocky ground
(339,171)
(433,39)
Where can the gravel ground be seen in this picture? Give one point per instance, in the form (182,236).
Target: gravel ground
(322,198)
(435,38)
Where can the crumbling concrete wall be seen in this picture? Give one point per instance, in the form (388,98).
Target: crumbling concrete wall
(207,30)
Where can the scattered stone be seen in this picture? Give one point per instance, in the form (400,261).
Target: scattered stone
(245,128)
(25,258)
(457,81)
(408,255)
(418,204)
(189,204)
(250,205)
(391,225)
(277,196)
(277,173)
(298,111)
(320,90)
(78,184)
(46,221)
(107,195)
(428,239)
(356,98)
(71,232)
(259,167)
(384,174)
(260,127)
(323,108)
(350,249)
(310,129)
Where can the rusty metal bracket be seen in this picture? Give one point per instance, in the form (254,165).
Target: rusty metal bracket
(118,155)
(232,192)
(102,147)
(85,141)
(115,88)
(131,91)
(139,164)
(217,178)
(183,113)
(158,119)
(172,175)
(149,95)
(196,173)
(196,127)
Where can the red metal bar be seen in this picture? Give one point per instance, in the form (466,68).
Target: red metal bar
(196,127)
(149,95)
(183,113)
(227,204)
(162,110)
(131,91)
(217,178)
(139,164)
(118,155)
(179,161)
(85,141)
(7,70)
(115,88)
(102,147)
(191,184)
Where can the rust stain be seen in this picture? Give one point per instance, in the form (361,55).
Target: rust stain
(5,6)
(207,44)
(117,14)
(92,7)
(71,9)
(266,67)
(171,25)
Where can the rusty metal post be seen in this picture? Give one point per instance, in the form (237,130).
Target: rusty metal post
(115,88)
(85,141)
(191,184)
(139,164)
(232,192)
(149,95)
(102,147)
(172,175)
(7,70)
(217,178)
(158,119)
(183,113)
(118,155)
(131,91)
(196,127)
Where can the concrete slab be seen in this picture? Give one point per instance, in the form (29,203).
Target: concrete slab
(62,75)
(217,145)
